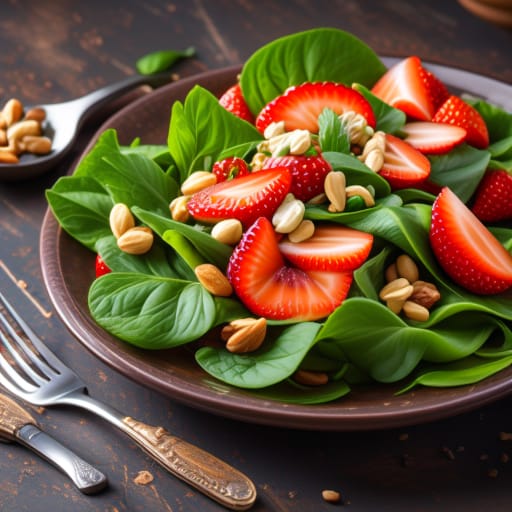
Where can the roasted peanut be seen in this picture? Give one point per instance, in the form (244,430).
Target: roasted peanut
(178,209)
(415,311)
(334,187)
(228,231)
(197,181)
(136,240)
(398,289)
(289,214)
(406,267)
(248,338)
(120,219)
(304,231)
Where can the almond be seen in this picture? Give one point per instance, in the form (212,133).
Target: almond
(120,219)
(249,337)
(136,240)
(213,280)
(309,378)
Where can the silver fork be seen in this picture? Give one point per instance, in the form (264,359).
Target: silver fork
(31,371)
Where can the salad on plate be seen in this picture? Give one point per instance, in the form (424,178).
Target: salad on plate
(326,222)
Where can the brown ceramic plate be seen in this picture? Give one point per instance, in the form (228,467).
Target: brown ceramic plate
(68,270)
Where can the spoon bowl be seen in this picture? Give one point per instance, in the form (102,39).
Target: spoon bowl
(63,122)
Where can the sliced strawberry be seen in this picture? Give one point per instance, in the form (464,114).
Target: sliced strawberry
(100,266)
(404,166)
(468,252)
(493,197)
(459,113)
(308,173)
(300,106)
(233,101)
(437,90)
(332,247)
(229,168)
(270,288)
(404,86)
(433,138)
(246,198)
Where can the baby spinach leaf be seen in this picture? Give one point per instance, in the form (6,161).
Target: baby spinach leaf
(207,247)
(201,128)
(157,261)
(290,392)
(149,311)
(317,55)
(389,119)
(332,134)
(274,362)
(161,60)
(460,373)
(82,207)
(461,169)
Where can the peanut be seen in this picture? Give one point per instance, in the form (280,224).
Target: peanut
(304,231)
(334,187)
(37,144)
(310,378)
(178,209)
(228,231)
(415,311)
(289,214)
(197,181)
(406,267)
(120,219)
(398,289)
(12,111)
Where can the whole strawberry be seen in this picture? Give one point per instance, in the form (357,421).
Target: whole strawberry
(230,168)
(493,197)
(233,101)
(308,173)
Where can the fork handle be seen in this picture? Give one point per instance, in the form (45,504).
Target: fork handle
(201,469)
(88,479)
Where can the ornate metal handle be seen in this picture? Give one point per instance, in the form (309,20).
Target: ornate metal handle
(87,478)
(207,473)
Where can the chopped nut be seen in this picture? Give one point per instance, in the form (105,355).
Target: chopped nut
(331,496)
(143,478)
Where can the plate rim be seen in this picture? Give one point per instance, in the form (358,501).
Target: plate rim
(265,412)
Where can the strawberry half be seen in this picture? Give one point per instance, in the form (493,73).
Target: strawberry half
(270,288)
(404,166)
(230,168)
(433,138)
(308,173)
(246,198)
(332,247)
(493,197)
(233,101)
(459,113)
(468,252)
(437,90)
(406,86)
(300,106)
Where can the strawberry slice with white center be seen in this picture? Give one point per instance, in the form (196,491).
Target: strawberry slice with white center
(308,173)
(245,198)
(459,113)
(300,106)
(404,166)
(467,251)
(404,86)
(433,138)
(269,287)
(332,247)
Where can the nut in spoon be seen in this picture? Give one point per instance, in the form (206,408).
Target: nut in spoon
(63,122)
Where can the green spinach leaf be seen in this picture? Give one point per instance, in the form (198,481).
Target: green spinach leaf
(161,60)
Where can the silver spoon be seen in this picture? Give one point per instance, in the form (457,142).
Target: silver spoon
(63,121)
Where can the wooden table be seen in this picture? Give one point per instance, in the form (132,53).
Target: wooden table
(55,51)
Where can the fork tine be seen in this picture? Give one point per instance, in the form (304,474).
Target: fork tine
(15,354)
(55,364)
(13,380)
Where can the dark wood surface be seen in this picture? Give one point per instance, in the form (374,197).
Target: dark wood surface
(59,50)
